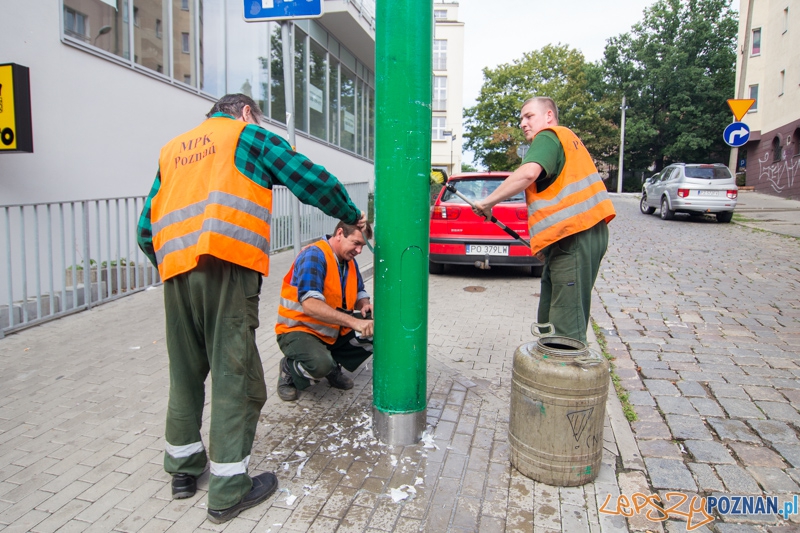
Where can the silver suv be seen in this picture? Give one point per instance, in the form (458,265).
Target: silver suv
(691,188)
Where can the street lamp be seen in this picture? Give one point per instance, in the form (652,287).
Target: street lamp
(103,31)
(449,133)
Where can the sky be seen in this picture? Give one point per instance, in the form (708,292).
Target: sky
(500,31)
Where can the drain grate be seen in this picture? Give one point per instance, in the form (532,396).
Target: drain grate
(474,288)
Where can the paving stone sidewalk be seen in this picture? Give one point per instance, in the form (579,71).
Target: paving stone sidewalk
(83,399)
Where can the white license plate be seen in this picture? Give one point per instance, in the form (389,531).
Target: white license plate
(484,249)
(709,193)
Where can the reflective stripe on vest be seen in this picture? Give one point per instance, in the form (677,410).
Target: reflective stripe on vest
(576,200)
(205,205)
(291,316)
(179,452)
(230,469)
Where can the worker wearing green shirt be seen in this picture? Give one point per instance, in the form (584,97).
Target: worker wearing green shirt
(206,226)
(568,212)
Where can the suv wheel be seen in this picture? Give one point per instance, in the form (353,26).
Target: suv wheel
(724,216)
(666,212)
(644,208)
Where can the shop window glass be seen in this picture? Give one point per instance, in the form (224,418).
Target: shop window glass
(348,110)
(183,45)
(98,23)
(300,76)
(318,73)
(334,95)
(212,47)
(277,94)
(149,50)
(247,57)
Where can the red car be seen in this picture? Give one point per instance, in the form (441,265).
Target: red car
(460,237)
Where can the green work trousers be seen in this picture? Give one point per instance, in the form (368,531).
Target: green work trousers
(212,316)
(318,358)
(570,270)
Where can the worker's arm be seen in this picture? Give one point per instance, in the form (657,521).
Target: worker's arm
(320,310)
(518,181)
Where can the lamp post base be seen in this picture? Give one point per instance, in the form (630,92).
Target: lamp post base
(398,429)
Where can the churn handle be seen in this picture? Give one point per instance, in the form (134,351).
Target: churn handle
(593,358)
(536,329)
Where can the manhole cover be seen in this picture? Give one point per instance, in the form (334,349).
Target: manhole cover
(474,288)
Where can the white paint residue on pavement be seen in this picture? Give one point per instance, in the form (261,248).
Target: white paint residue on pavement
(402,492)
(427,440)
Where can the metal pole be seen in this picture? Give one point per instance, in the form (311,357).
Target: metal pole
(745,51)
(621,146)
(288,86)
(404,38)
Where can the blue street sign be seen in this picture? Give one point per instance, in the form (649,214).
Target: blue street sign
(736,134)
(260,10)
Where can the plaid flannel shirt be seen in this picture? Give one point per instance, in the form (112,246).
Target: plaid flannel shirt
(268,159)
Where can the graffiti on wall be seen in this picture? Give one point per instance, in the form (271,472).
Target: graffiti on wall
(779,174)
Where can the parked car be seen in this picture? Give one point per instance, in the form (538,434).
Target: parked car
(460,237)
(695,189)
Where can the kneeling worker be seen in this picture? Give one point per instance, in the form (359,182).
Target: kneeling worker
(322,299)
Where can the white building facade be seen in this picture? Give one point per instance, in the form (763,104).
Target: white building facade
(448,76)
(768,70)
(113,80)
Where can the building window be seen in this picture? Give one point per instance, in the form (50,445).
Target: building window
(783,82)
(756,42)
(160,69)
(158,28)
(440,14)
(754,96)
(187,79)
(136,16)
(777,149)
(185,42)
(437,133)
(440,93)
(439,54)
(785,20)
(75,24)
(185,5)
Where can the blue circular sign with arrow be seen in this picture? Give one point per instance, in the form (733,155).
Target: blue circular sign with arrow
(736,134)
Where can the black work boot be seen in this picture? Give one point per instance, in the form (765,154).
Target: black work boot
(286,389)
(264,485)
(338,380)
(183,486)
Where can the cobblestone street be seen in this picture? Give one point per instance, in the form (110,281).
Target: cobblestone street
(705,321)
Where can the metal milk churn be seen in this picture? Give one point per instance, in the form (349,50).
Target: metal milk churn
(558,401)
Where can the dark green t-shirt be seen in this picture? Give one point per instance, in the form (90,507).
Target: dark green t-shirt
(546,150)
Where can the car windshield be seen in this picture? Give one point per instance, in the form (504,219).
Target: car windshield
(708,172)
(477,189)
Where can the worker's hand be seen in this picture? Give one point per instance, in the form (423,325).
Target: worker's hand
(366,328)
(539,255)
(366,309)
(362,222)
(482,210)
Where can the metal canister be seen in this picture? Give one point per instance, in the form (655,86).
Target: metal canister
(558,397)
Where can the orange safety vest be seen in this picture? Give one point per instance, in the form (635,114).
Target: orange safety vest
(205,205)
(576,201)
(290,311)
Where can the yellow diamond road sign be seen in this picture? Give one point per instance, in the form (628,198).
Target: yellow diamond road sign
(740,107)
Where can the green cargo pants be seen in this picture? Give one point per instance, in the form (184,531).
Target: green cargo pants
(212,316)
(570,270)
(317,358)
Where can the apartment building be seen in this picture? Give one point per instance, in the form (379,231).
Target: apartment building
(113,80)
(448,75)
(768,71)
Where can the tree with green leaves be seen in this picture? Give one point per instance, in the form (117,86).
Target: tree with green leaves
(492,128)
(676,69)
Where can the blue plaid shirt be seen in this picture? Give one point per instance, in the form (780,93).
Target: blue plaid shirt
(310,268)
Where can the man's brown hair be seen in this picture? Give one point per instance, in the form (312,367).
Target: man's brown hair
(348,229)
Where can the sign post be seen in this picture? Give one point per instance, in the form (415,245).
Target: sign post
(16,131)
(738,133)
(285,11)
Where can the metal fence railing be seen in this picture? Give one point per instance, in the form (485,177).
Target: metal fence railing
(63,257)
